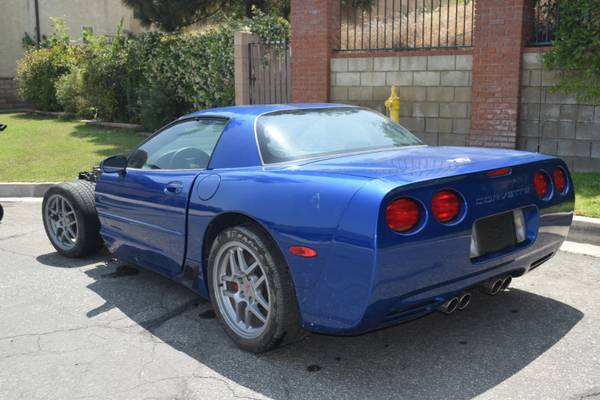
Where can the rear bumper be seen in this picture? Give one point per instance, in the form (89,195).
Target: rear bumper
(412,280)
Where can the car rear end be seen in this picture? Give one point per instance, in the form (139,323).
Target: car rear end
(439,239)
(429,224)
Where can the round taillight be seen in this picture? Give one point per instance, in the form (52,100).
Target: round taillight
(560,180)
(541,184)
(445,205)
(403,214)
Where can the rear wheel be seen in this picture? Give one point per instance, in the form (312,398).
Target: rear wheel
(252,291)
(70,219)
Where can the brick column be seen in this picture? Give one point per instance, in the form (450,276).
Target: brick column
(315,33)
(241,54)
(497,46)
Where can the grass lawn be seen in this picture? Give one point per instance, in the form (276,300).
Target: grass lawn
(587,193)
(38,148)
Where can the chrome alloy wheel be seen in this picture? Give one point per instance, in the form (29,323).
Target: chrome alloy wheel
(62,222)
(242,290)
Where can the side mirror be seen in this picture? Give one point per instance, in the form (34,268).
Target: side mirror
(114,164)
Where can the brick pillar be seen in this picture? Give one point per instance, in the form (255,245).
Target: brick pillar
(241,55)
(497,46)
(315,33)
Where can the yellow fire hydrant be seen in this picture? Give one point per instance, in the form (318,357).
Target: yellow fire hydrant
(392,104)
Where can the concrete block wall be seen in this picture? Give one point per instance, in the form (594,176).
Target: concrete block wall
(434,91)
(558,124)
(8,93)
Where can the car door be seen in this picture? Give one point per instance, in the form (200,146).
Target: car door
(143,209)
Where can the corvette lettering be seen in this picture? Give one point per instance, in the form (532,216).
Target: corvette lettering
(495,197)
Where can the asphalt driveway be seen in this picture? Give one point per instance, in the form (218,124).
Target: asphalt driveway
(78,329)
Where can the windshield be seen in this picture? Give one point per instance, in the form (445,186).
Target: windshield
(298,134)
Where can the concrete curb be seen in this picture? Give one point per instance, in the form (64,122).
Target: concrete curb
(585,230)
(19,189)
(57,114)
(119,125)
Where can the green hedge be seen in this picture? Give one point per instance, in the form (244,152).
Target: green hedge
(576,50)
(151,78)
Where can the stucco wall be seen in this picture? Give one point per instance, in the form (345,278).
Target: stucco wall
(568,129)
(18,17)
(434,91)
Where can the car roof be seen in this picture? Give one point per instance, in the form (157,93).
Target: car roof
(253,111)
(237,145)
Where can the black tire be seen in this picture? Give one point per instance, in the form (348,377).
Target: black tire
(80,195)
(283,325)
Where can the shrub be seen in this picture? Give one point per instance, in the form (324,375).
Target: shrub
(105,76)
(39,70)
(68,91)
(270,28)
(157,106)
(152,78)
(576,50)
(180,73)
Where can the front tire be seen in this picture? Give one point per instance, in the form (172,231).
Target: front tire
(251,290)
(70,219)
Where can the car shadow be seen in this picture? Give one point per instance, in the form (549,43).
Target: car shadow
(437,356)
(55,260)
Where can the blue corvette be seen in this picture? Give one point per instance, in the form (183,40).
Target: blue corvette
(316,217)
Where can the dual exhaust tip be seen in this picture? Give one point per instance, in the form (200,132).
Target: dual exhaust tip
(456,303)
(495,286)
(462,301)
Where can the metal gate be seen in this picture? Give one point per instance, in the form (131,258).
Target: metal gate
(270,73)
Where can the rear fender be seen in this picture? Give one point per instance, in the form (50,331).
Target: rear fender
(343,293)
(294,208)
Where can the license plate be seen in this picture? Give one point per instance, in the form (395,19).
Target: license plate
(497,233)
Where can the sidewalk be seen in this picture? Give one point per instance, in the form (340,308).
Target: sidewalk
(24,189)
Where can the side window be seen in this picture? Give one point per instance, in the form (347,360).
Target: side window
(186,145)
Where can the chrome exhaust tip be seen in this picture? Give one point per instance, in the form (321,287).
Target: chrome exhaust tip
(492,287)
(463,301)
(449,306)
(506,282)
(496,286)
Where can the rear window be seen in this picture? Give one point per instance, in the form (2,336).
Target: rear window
(298,134)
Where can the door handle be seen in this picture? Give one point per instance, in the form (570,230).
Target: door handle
(173,187)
